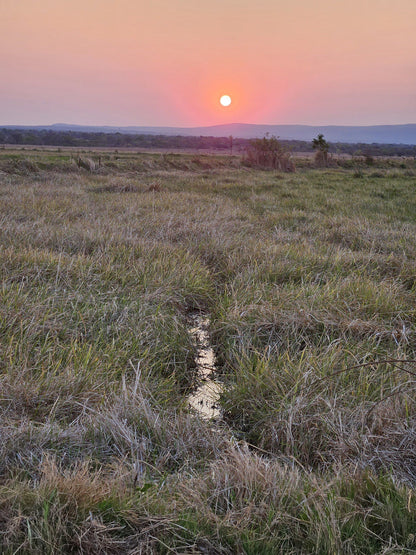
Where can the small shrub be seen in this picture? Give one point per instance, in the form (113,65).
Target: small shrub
(86,164)
(269,153)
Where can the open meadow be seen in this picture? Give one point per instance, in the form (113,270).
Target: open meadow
(307,282)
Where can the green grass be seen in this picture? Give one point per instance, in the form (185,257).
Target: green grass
(308,280)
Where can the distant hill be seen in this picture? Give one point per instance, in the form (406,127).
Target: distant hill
(382,134)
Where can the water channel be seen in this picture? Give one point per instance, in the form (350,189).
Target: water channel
(204,399)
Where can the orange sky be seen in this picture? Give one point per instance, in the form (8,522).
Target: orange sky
(167,62)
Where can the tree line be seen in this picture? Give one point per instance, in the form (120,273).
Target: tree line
(85,139)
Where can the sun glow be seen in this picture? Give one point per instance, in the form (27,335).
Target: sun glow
(225,100)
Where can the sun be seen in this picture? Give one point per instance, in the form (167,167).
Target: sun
(225,100)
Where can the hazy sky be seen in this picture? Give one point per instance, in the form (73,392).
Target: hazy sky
(167,62)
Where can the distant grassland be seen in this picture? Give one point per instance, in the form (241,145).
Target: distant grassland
(309,281)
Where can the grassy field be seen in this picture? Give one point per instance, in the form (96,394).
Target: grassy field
(309,283)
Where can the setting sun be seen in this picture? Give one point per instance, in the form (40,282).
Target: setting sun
(225,100)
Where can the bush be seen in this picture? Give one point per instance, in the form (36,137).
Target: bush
(268,153)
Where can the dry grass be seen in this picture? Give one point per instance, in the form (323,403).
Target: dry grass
(309,281)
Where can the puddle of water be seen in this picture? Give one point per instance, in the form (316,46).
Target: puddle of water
(205,397)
